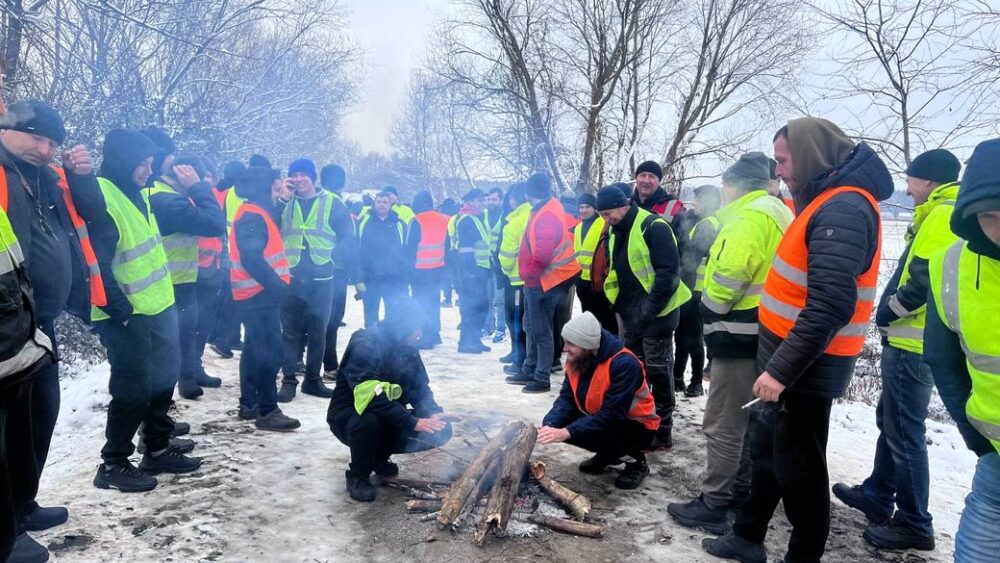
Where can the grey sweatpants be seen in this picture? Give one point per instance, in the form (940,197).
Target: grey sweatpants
(725,424)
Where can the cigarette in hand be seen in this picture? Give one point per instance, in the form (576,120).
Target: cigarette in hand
(751,403)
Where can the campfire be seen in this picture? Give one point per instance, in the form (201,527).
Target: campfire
(500,485)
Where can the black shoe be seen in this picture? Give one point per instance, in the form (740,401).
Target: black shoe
(697,514)
(694,390)
(633,475)
(484,348)
(731,546)
(124,477)
(180,429)
(189,388)
(316,388)
(182,445)
(386,469)
(536,387)
(508,359)
(469,349)
(236,344)
(287,391)
(247,413)
(27,550)
(45,517)
(512,369)
(597,464)
(276,421)
(170,461)
(222,351)
(360,488)
(855,498)
(518,379)
(678,386)
(557,369)
(896,535)
(662,442)
(208,381)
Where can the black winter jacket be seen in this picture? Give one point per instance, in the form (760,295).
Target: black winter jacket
(251,239)
(842,239)
(383,255)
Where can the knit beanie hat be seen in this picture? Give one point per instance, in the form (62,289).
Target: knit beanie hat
(584,331)
(259,160)
(473,194)
(937,165)
(610,197)
(303,166)
(423,201)
(587,199)
(752,166)
(651,167)
(539,186)
(36,118)
(332,177)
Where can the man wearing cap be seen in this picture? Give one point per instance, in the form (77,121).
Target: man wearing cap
(402,210)
(604,405)
(900,480)
(586,235)
(473,256)
(649,195)
(547,263)
(382,403)
(689,337)
(385,257)
(752,224)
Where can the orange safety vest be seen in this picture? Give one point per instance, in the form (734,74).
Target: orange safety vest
(787,286)
(790,204)
(210,248)
(433,232)
(97,295)
(563,265)
(571,220)
(244,285)
(643,408)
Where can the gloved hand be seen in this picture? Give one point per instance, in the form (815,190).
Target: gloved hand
(885,315)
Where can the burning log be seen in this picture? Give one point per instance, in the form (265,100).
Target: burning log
(576,503)
(464,486)
(567,526)
(505,489)
(421,505)
(482,487)
(414,483)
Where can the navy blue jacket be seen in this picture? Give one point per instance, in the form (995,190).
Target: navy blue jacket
(626,376)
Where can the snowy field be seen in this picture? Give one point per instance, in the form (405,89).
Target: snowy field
(280,497)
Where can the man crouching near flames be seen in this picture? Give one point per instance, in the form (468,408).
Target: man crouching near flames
(383,404)
(605,405)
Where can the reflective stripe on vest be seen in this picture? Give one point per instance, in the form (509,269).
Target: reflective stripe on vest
(231,206)
(11,256)
(966,289)
(585,246)
(641,264)
(210,248)
(314,230)
(563,265)
(433,233)
(699,283)
(642,409)
(787,285)
(139,266)
(244,285)
(181,248)
(481,249)
(511,237)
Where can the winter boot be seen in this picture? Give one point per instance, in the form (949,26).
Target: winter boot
(662,442)
(208,381)
(697,514)
(287,391)
(124,477)
(360,487)
(731,546)
(45,517)
(633,474)
(512,369)
(180,428)
(183,445)
(247,413)
(483,347)
(678,386)
(169,461)
(330,374)
(316,388)
(276,421)
(856,499)
(536,387)
(386,469)
(27,550)
(223,350)
(694,390)
(597,464)
(897,536)
(188,388)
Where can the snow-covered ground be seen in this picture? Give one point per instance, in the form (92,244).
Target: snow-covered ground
(276,497)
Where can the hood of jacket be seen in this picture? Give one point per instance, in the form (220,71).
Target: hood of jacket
(610,345)
(423,201)
(862,168)
(124,150)
(980,192)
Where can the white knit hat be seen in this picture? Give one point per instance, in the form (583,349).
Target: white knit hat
(584,331)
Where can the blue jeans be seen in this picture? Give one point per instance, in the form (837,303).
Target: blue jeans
(495,318)
(978,538)
(900,476)
(541,310)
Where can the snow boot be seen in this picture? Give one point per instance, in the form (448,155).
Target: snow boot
(597,464)
(316,388)
(27,550)
(855,498)
(208,381)
(508,359)
(897,536)
(662,442)
(360,487)
(287,391)
(188,388)
(180,428)
(731,546)
(694,390)
(633,474)
(170,460)
(536,387)
(45,517)
(386,469)
(276,421)
(512,369)
(123,477)
(183,445)
(697,514)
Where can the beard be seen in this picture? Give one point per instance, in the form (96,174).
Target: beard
(584,364)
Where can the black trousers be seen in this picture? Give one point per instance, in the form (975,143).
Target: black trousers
(372,440)
(377,291)
(145,360)
(425,286)
(209,288)
(261,357)
(338,306)
(227,327)
(788,447)
(472,304)
(186,303)
(622,438)
(689,339)
(305,315)
(514,311)
(45,399)
(598,304)
(657,354)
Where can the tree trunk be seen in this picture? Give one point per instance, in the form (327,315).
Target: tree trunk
(568,526)
(576,503)
(504,493)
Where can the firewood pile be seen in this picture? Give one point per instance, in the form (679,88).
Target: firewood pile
(500,485)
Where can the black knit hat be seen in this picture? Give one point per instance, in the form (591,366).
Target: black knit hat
(259,160)
(392,190)
(539,186)
(610,197)
(587,199)
(332,177)
(937,165)
(35,118)
(473,194)
(752,166)
(651,167)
